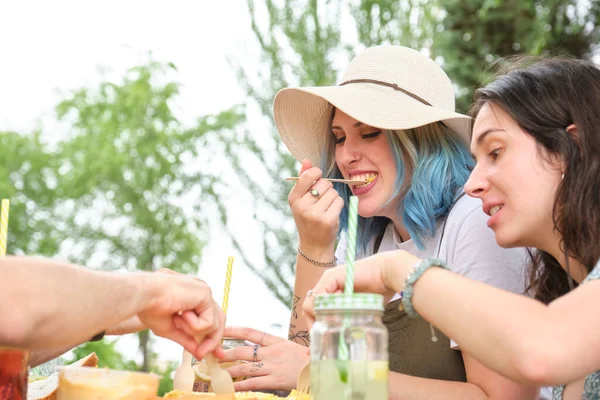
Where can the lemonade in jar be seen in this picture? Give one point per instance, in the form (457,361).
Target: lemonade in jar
(349,348)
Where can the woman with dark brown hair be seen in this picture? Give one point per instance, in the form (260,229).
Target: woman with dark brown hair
(537,148)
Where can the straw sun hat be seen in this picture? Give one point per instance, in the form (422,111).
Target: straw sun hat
(387,87)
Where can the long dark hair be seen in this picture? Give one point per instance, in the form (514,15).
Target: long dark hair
(544,97)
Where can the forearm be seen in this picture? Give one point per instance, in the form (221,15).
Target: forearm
(56,305)
(39,357)
(520,338)
(307,276)
(128,326)
(405,387)
(131,325)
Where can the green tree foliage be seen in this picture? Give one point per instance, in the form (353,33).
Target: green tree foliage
(306,42)
(124,189)
(128,159)
(166,381)
(28,179)
(472,34)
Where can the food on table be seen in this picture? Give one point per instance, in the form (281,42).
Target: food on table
(46,389)
(177,394)
(105,384)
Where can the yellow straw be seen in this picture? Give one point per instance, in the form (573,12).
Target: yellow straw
(227,285)
(4,225)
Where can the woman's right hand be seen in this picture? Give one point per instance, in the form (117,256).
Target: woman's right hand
(317,217)
(383,273)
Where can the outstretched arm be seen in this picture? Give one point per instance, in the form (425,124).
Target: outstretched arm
(46,304)
(515,335)
(511,334)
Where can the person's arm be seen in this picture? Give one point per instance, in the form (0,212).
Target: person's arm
(511,334)
(307,276)
(38,357)
(482,383)
(43,301)
(46,304)
(514,335)
(317,221)
(130,325)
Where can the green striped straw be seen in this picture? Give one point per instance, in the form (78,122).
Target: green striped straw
(343,353)
(351,250)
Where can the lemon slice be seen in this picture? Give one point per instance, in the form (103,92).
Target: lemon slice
(379,374)
(201,372)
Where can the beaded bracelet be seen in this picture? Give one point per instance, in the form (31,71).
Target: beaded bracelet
(416,273)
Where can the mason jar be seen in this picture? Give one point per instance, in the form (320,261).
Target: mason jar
(202,377)
(349,348)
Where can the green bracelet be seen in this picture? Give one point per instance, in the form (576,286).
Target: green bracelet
(416,273)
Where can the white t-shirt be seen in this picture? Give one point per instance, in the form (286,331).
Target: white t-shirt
(468,247)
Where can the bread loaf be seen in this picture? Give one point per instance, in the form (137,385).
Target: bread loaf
(45,389)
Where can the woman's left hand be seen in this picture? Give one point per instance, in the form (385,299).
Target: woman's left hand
(277,363)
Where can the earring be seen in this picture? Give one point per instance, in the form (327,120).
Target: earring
(562,177)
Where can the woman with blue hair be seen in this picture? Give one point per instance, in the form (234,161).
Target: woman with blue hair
(390,123)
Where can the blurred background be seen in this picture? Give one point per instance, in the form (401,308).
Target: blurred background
(137,135)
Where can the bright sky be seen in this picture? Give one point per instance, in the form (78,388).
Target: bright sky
(48,47)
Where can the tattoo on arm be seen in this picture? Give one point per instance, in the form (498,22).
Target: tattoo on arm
(294,304)
(300,337)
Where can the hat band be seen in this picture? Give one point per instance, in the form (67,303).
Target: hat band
(387,84)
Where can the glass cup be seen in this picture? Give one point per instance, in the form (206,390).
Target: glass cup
(13,373)
(88,383)
(202,378)
(349,348)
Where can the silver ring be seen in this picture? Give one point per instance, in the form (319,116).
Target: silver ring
(262,338)
(315,193)
(255,353)
(310,293)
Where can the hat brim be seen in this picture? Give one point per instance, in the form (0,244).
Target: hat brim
(302,115)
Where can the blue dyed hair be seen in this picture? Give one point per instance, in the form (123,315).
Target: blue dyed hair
(439,164)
